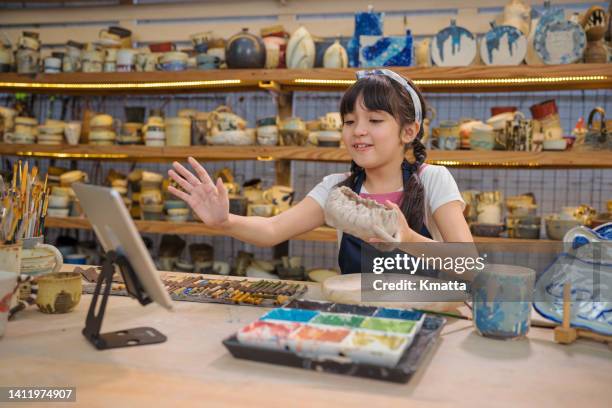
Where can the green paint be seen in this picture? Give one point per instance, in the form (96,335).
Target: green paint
(339,320)
(388,325)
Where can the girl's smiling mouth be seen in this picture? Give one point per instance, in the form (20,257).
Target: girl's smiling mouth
(360,147)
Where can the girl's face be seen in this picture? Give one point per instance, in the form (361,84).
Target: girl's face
(374,138)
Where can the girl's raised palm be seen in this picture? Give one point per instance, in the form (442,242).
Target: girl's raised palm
(207,200)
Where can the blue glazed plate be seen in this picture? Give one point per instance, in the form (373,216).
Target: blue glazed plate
(591,293)
(560,42)
(453,46)
(503,45)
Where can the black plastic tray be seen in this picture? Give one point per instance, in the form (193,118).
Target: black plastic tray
(408,364)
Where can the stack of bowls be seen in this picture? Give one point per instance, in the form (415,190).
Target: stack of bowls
(174,61)
(267,131)
(59,202)
(25,130)
(176,210)
(155,132)
(121,186)
(51,133)
(101,131)
(150,197)
(131,133)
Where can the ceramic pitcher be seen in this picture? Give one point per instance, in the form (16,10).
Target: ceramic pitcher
(223,119)
(39,259)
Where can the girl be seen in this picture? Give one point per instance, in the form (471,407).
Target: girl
(382,114)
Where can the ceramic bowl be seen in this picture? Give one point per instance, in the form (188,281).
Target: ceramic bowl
(487,230)
(558,144)
(59,201)
(179,212)
(556,228)
(171,204)
(528,231)
(101,121)
(58,212)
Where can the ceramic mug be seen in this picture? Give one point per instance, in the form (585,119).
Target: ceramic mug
(27,61)
(331,121)
(489,213)
(261,210)
(502,296)
(59,292)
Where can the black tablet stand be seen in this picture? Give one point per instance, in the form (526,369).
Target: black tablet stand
(123,338)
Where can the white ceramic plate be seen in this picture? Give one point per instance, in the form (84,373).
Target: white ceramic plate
(503,45)
(453,46)
(560,42)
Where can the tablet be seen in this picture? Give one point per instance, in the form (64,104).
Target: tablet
(116,231)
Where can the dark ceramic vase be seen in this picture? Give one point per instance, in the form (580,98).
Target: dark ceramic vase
(245,50)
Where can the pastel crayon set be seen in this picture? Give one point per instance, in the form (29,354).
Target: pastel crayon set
(382,343)
(196,288)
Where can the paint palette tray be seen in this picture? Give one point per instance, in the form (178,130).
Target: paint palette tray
(381,343)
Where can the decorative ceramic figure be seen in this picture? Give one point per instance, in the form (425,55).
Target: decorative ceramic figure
(245,50)
(594,23)
(421,53)
(335,56)
(275,38)
(453,46)
(300,50)
(366,23)
(503,45)
(377,51)
(517,14)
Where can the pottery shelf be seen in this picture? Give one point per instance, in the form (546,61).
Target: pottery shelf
(430,79)
(321,234)
(457,158)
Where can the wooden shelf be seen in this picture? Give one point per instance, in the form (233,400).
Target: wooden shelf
(322,234)
(430,79)
(458,158)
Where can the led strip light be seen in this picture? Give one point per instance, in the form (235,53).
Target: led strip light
(477,81)
(122,86)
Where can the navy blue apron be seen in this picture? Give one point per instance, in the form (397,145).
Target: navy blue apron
(351,247)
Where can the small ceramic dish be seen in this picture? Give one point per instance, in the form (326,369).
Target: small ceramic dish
(487,230)
(58,212)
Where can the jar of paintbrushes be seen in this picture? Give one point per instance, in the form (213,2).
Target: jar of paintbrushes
(24,203)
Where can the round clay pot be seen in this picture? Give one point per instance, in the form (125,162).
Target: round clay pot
(245,50)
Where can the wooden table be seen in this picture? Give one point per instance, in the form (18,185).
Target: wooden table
(193,367)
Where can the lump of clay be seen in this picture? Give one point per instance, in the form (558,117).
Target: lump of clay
(358,216)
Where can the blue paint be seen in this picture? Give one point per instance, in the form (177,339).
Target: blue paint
(292,315)
(399,314)
(494,37)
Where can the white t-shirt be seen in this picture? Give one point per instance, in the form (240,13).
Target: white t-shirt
(439,185)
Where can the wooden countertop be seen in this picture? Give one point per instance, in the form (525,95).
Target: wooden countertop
(193,367)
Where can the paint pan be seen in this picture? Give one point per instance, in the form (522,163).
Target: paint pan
(336,319)
(405,327)
(381,349)
(317,342)
(271,335)
(291,315)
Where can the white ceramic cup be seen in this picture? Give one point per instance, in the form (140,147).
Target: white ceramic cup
(8,282)
(72,132)
(489,213)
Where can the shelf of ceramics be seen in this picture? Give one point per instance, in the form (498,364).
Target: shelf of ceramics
(181,228)
(321,234)
(450,158)
(430,79)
